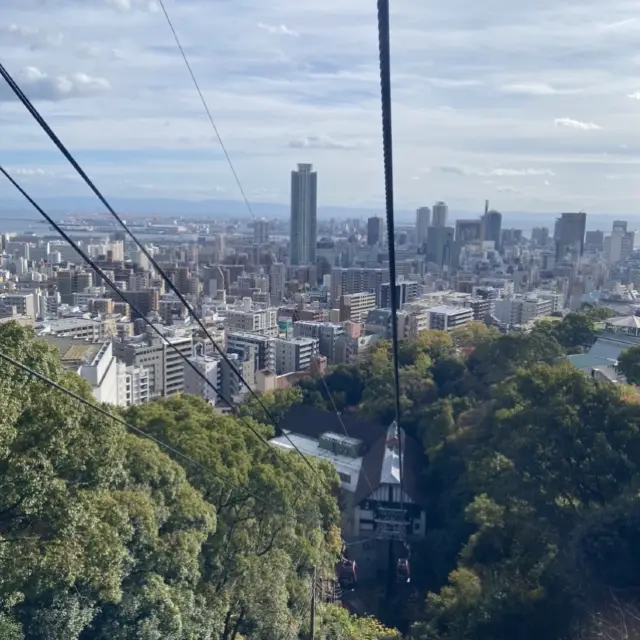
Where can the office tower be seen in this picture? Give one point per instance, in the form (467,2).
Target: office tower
(375,231)
(570,231)
(423,220)
(540,236)
(356,280)
(619,245)
(468,231)
(304,200)
(277,282)
(492,227)
(594,241)
(440,246)
(261,231)
(440,214)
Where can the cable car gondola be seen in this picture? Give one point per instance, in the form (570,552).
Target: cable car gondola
(403,572)
(346,571)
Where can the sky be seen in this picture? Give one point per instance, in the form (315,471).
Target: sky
(535,106)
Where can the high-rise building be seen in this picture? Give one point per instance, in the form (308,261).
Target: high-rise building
(295,354)
(570,234)
(209,369)
(594,240)
(356,280)
(304,225)
(492,227)
(277,281)
(375,231)
(440,214)
(468,231)
(540,235)
(440,246)
(423,220)
(261,231)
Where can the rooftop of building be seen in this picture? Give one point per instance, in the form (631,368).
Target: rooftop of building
(64,324)
(377,463)
(587,361)
(77,352)
(450,310)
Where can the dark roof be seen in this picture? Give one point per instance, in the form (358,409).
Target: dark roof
(309,421)
(413,462)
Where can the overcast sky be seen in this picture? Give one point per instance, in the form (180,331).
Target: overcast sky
(534,105)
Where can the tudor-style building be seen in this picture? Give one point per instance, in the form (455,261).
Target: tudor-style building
(368,463)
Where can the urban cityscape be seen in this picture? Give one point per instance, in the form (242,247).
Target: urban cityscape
(285,307)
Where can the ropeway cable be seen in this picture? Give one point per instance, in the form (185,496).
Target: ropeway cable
(70,158)
(121,295)
(205,105)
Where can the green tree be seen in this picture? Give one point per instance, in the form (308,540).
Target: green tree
(257,565)
(336,623)
(552,448)
(88,513)
(474,334)
(277,403)
(629,364)
(576,330)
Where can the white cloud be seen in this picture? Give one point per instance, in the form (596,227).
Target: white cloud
(620,24)
(504,70)
(454,83)
(635,95)
(28,172)
(533,89)
(34,38)
(280,29)
(39,86)
(521,172)
(569,123)
(320,142)
(507,189)
(121,5)
(499,172)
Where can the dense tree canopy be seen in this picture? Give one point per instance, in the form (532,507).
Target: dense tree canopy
(629,364)
(102,535)
(531,483)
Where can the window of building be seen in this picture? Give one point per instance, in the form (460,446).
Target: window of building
(345,477)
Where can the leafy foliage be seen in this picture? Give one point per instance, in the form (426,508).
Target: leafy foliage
(629,364)
(532,482)
(102,535)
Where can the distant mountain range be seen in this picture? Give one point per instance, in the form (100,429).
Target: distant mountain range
(18,210)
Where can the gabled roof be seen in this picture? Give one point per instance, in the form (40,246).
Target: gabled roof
(312,422)
(631,322)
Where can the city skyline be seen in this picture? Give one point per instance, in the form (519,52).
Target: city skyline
(557,134)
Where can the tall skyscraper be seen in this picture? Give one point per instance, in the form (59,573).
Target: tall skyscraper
(375,231)
(423,220)
(468,231)
(261,231)
(440,246)
(277,282)
(440,213)
(304,222)
(570,230)
(492,227)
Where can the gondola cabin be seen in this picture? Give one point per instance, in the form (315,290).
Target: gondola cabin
(403,572)
(347,577)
